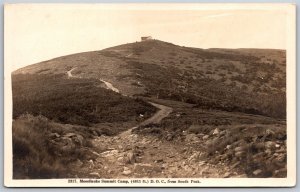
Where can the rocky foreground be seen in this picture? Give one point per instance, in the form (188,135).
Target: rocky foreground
(219,154)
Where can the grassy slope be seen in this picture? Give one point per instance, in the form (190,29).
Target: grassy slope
(73,101)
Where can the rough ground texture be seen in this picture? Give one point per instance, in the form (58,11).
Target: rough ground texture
(130,155)
(257,150)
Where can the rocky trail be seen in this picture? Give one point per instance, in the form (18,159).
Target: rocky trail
(130,155)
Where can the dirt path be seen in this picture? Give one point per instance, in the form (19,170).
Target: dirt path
(158,116)
(110,86)
(69,73)
(107,84)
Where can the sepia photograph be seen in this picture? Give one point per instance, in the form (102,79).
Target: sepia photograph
(150,95)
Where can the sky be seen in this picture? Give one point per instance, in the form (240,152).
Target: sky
(34,33)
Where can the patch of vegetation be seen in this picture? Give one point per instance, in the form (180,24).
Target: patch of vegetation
(207,93)
(35,154)
(73,101)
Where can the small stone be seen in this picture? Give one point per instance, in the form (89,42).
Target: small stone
(257,172)
(205,137)
(95,174)
(239,149)
(280,173)
(216,131)
(169,137)
(120,159)
(227,174)
(223,132)
(281,157)
(270,145)
(130,158)
(128,172)
(234,165)
(269,132)
(241,176)
(159,161)
(191,138)
(240,154)
(91,163)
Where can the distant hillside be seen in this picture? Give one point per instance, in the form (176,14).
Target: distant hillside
(245,80)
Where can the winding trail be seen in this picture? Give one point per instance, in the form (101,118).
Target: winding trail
(69,73)
(159,115)
(131,155)
(110,86)
(107,84)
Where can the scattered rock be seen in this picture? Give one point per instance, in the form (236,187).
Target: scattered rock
(53,135)
(194,157)
(223,132)
(270,145)
(91,164)
(227,174)
(192,138)
(257,172)
(281,157)
(240,154)
(216,131)
(141,167)
(110,153)
(130,158)
(235,165)
(205,137)
(280,173)
(126,171)
(240,148)
(159,161)
(269,132)
(95,174)
(169,137)
(241,176)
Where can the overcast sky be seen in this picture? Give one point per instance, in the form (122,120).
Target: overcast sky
(41,32)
